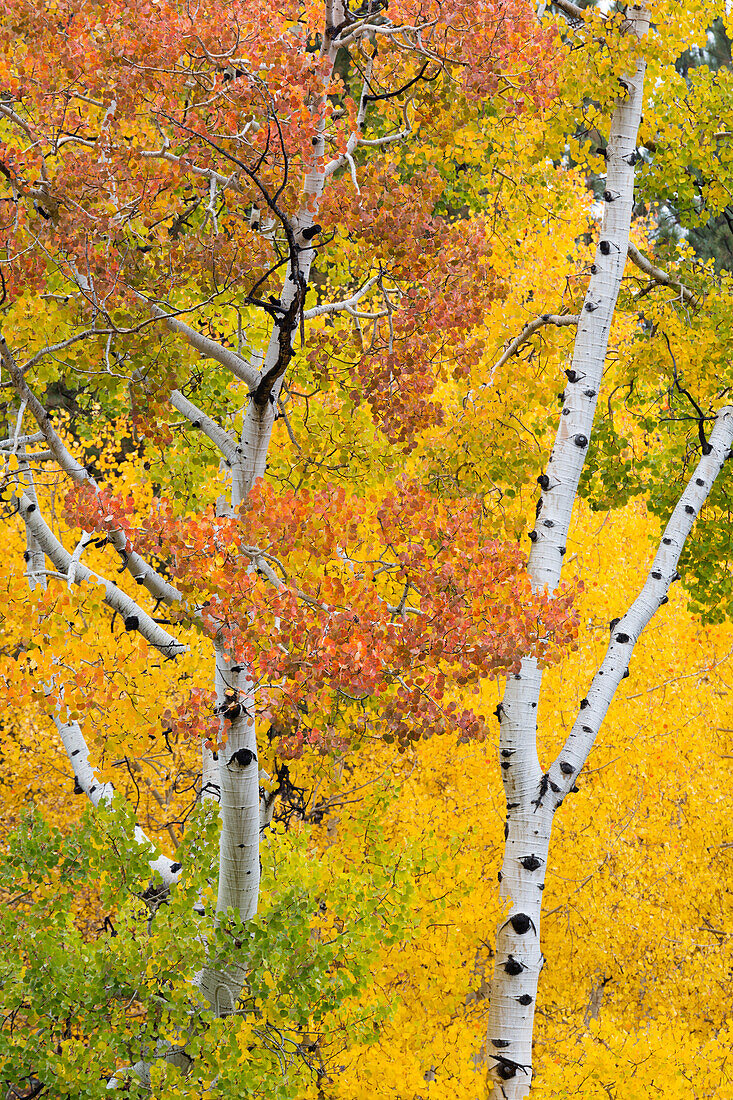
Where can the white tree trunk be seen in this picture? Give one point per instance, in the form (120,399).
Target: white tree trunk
(528,793)
(239,868)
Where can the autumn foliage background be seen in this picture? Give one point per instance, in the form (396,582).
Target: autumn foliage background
(401,454)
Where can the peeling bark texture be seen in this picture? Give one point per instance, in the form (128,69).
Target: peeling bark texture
(530,795)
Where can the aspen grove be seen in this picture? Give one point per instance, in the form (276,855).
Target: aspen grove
(282,322)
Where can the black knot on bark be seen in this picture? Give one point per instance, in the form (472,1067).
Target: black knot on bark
(580,440)
(231,708)
(584,703)
(78,789)
(132,622)
(243,757)
(506,1070)
(532,536)
(544,482)
(605,247)
(521,923)
(175,868)
(513,966)
(525,999)
(699,481)
(566,768)
(530,863)
(689,509)
(571,375)
(622,638)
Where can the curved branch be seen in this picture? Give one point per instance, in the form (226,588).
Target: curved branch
(143,573)
(661,277)
(218,436)
(86,782)
(570,9)
(559,319)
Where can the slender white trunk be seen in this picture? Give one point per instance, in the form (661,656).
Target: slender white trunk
(239,806)
(530,804)
(239,811)
(530,816)
(239,869)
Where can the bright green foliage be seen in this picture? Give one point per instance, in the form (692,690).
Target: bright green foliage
(78,1004)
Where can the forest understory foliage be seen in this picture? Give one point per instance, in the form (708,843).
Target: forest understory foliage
(293,305)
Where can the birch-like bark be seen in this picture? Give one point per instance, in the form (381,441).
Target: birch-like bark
(260,416)
(86,782)
(529,809)
(141,570)
(72,738)
(238,772)
(132,614)
(239,812)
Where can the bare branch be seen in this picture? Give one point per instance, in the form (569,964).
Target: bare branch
(209,348)
(133,615)
(344,304)
(142,572)
(561,320)
(218,436)
(661,277)
(570,9)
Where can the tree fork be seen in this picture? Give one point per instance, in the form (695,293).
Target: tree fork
(529,793)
